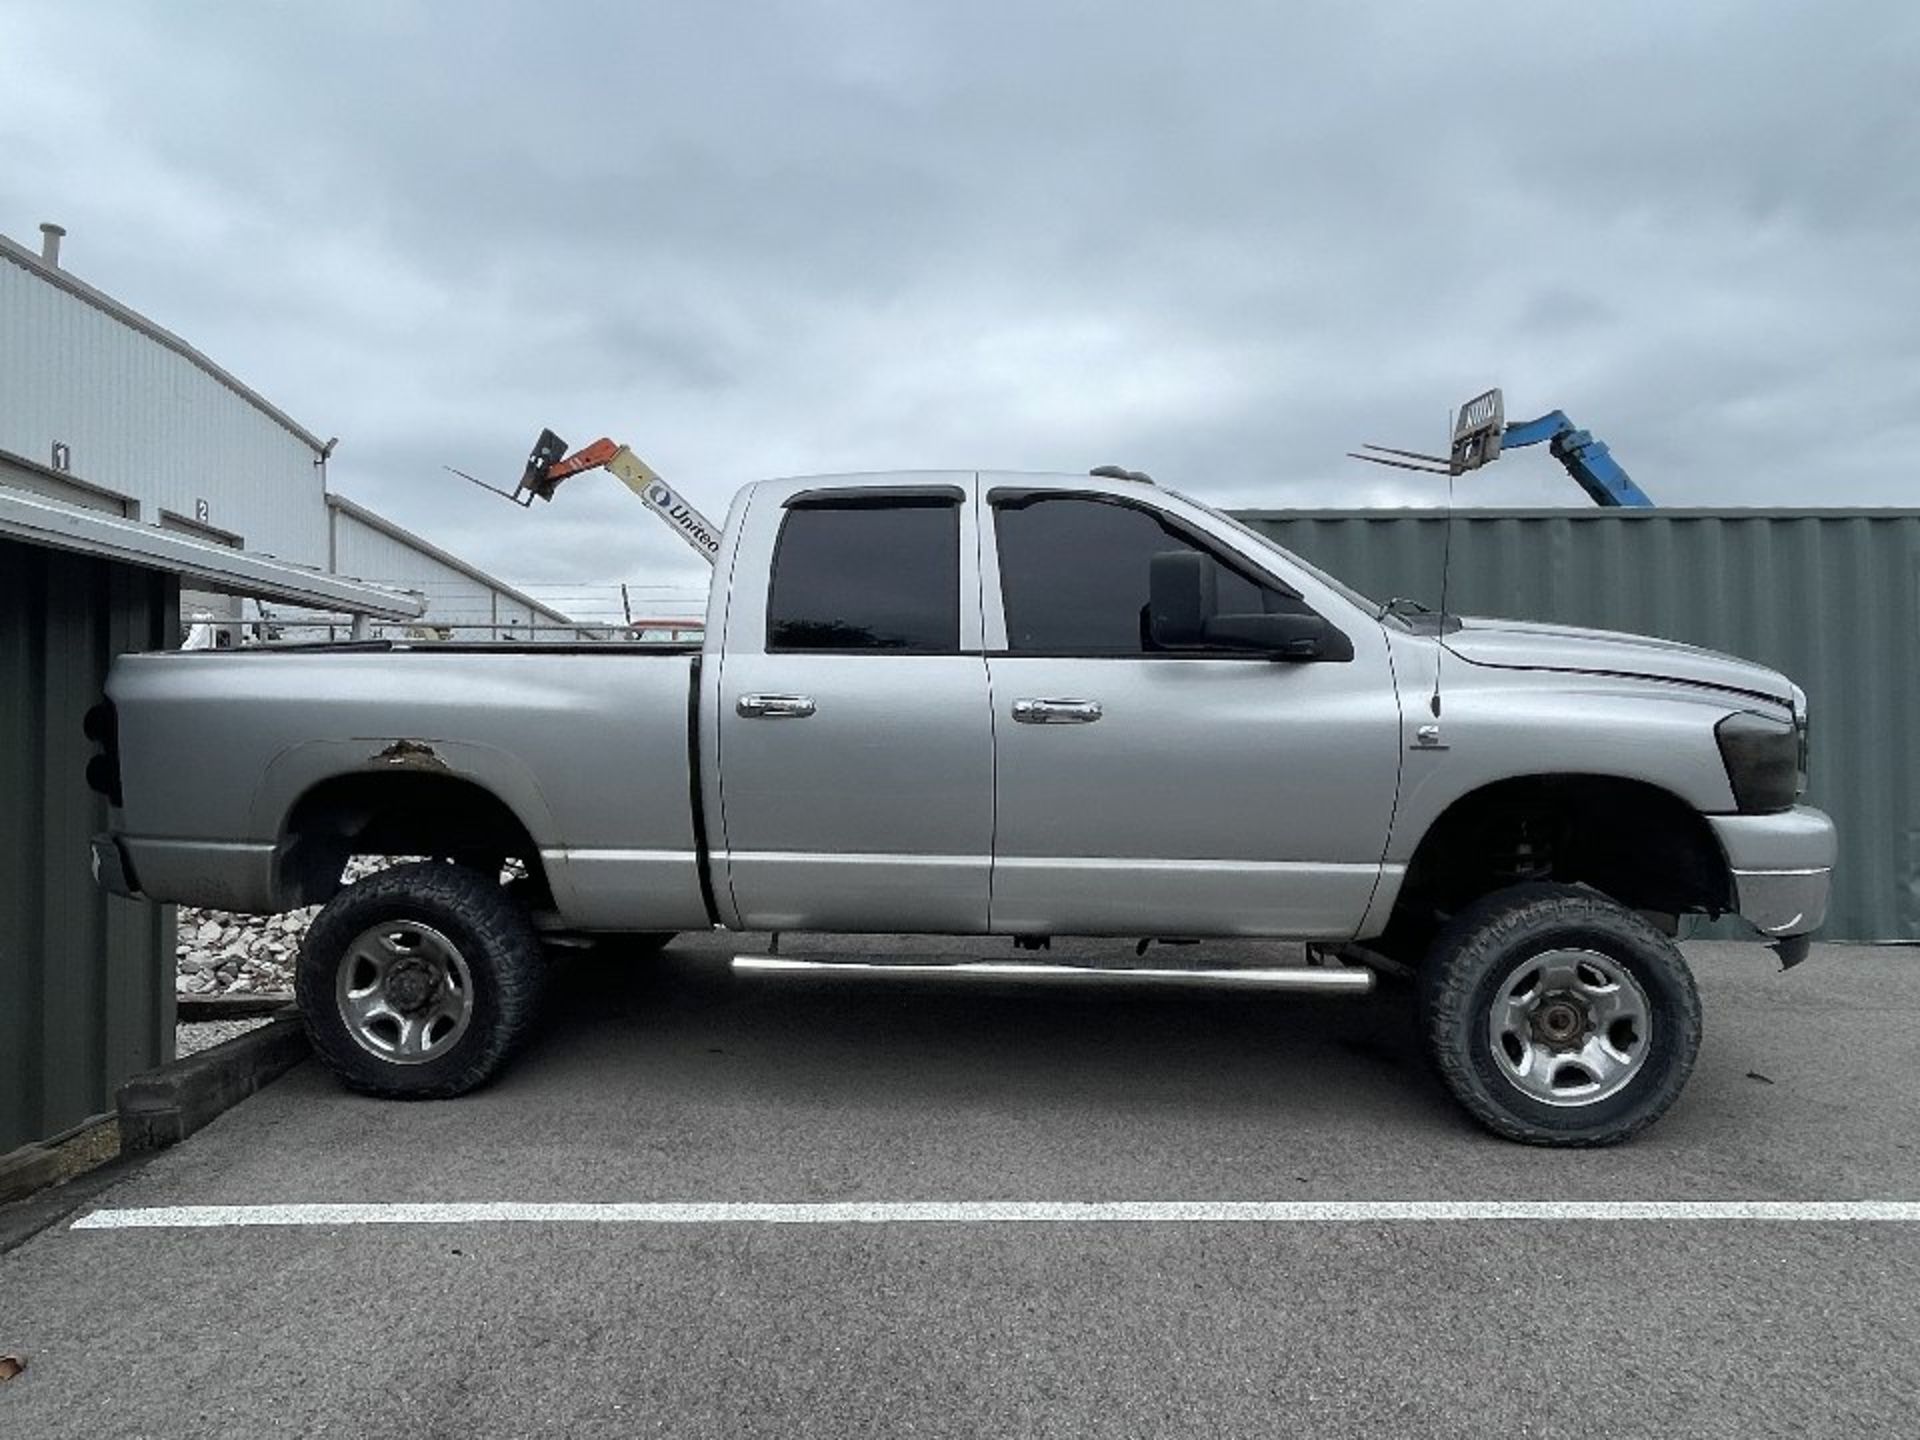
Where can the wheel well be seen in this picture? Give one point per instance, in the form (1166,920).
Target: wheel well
(1637,843)
(396,814)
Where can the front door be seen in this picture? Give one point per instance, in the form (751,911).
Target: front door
(1145,792)
(856,747)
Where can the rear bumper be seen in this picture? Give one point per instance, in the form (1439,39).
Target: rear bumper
(111,872)
(1782,868)
(219,875)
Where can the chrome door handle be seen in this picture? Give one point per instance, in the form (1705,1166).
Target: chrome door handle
(1056,712)
(774,707)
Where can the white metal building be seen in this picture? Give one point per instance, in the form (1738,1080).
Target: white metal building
(103,409)
(463,601)
(100,407)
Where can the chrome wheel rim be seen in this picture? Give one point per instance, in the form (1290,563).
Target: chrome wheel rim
(404,992)
(1570,1027)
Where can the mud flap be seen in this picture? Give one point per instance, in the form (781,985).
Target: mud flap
(1792,949)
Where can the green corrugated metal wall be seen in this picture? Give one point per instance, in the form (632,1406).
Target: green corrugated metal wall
(86,980)
(1830,597)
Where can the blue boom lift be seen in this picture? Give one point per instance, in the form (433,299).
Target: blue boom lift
(1481,432)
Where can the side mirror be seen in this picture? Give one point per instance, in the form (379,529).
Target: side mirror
(1284,637)
(1183,592)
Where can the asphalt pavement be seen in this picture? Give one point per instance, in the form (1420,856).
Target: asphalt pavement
(675,1082)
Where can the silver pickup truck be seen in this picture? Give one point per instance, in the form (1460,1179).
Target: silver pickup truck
(1001,705)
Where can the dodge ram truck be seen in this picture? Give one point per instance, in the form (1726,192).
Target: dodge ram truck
(1005,705)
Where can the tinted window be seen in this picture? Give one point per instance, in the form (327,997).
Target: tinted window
(1074,576)
(867,577)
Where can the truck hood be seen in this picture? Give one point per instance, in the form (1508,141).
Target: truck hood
(1523,645)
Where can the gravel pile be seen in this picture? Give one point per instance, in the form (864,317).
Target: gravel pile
(220,953)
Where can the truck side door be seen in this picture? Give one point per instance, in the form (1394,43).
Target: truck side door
(1149,792)
(855,745)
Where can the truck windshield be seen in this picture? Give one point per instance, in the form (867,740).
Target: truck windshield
(1339,587)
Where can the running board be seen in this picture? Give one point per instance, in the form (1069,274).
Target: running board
(1295,978)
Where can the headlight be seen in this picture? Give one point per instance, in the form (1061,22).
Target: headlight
(1763,760)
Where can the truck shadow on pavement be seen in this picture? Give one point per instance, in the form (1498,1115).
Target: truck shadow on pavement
(647,1020)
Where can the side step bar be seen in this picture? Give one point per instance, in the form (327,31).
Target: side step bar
(1296,978)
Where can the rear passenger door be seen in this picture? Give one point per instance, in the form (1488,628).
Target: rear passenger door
(855,740)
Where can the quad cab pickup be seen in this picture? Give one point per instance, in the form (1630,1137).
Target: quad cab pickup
(1000,705)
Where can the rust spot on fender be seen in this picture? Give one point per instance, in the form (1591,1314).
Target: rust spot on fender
(412,753)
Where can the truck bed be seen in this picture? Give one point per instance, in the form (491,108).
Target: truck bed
(589,745)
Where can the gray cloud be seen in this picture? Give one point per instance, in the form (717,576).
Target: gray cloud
(1223,244)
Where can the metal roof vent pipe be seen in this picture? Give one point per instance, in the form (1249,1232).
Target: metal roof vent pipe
(50,243)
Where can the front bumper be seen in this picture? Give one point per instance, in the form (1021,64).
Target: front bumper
(1782,868)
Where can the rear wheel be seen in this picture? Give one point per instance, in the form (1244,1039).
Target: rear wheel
(418,981)
(1559,1017)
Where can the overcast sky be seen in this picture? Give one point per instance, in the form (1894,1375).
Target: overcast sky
(1220,243)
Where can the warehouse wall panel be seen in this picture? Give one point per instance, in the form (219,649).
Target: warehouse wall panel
(86,979)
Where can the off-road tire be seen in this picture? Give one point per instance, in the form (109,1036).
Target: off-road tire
(1488,943)
(495,939)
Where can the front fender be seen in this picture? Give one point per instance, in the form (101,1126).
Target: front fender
(1499,725)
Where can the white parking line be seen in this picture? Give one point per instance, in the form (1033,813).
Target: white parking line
(1002,1212)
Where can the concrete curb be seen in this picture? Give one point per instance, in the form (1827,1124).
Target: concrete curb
(39,1164)
(21,1220)
(163,1107)
(30,1168)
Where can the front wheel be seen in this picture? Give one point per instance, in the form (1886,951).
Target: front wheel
(1559,1017)
(416,982)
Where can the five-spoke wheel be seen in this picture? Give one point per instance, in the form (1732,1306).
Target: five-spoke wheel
(1570,1027)
(404,991)
(1558,1017)
(417,981)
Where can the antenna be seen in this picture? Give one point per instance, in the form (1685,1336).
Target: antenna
(1475,433)
(1446,574)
